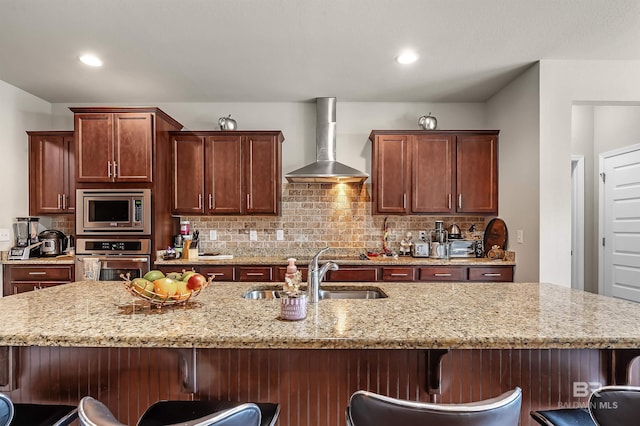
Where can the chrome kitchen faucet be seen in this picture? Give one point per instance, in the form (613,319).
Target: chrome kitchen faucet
(316,275)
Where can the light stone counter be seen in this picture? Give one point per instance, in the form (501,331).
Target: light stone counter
(415,316)
(350,260)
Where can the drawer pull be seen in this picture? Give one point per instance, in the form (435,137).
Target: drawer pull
(37,273)
(400,275)
(441,275)
(216,274)
(493,274)
(255,274)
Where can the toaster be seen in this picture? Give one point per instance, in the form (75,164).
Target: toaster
(420,249)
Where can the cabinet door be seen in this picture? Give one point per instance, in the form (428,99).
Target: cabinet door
(47,174)
(491,273)
(477,174)
(218,273)
(353,273)
(187,185)
(94,147)
(391,167)
(133,142)
(223,176)
(443,273)
(432,162)
(254,273)
(23,287)
(69,196)
(262,170)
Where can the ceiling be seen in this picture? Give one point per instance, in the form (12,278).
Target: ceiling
(297,50)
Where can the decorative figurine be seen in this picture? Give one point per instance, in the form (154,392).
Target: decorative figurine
(405,245)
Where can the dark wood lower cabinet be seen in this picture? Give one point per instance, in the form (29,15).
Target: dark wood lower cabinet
(312,386)
(22,278)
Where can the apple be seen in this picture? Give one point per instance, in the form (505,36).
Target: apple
(183,292)
(165,287)
(143,287)
(196,281)
(186,275)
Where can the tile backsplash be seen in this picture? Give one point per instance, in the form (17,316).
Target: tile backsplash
(315,216)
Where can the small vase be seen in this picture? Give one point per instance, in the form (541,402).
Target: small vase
(293,308)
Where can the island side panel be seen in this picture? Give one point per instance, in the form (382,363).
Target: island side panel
(313,386)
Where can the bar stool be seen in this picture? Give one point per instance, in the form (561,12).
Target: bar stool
(92,412)
(563,417)
(370,409)
(22,414)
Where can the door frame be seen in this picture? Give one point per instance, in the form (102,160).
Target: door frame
(577,217)
(601,208)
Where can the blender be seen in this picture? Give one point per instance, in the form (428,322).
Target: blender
(439,242)
(27,243)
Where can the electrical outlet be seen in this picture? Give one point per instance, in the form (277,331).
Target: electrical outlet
(422,235)
(213,235)
(279,234)
(520,236)
(253,235)
(4,234)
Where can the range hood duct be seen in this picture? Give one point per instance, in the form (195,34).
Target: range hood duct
(326,169)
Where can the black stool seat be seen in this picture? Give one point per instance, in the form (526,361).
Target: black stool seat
(43,414)
(563,417)
(168,412)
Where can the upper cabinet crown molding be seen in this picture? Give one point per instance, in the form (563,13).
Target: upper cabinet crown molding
(434,171)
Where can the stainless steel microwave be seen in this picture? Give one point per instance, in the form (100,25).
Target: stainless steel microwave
(113,211)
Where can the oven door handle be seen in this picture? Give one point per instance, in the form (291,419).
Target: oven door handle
(117,258)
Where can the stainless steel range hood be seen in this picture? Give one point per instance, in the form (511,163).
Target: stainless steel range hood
(326,169)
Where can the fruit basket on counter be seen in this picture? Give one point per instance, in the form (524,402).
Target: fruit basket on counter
(160,290)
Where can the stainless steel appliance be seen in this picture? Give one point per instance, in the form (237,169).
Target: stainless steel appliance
(27,243)
(53,242)
(439,242)
(116,256)
(463,248)
(420,249)
(113,211)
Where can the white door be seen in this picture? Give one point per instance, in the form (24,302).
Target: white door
(577,222)
(620,223)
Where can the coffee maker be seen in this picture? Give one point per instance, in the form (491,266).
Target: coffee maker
(27,243)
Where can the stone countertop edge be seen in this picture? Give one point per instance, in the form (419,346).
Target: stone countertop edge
(39,261)
(414,316)
(400,261)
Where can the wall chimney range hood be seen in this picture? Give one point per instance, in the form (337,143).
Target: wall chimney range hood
(326,169)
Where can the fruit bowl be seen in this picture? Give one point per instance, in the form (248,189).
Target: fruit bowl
(174,288)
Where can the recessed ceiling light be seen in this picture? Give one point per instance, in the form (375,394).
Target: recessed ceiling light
(407,58)
(91,60)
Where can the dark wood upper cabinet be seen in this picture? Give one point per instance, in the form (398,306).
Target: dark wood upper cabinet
(114,147)
(51,173)
(217,172)
(434,172)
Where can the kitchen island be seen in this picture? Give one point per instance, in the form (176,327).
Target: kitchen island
(95,338)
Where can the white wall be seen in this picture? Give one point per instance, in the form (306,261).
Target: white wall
(563,83)
(19,112)
(515,111)
(297,122)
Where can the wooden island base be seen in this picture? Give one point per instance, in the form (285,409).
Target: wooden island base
(312,385)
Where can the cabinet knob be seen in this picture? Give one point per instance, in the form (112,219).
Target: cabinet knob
(210,201)
(459,201)
(59,203)
(108,168)
(115,169)
(199,201)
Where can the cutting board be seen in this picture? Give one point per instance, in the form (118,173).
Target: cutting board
(495,234)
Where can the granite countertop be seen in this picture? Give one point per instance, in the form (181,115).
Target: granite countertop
(414,316)
(63,260)
(348,260)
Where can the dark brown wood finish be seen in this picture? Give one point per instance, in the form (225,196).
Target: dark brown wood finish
(132,149)
(434,172)
(239,173)
(398,273)
(491,273)
(390,165)
(281,271)
(431,180)
(354,273)
(313,386)
(223,174)
(51,173)
(188,183)
(21,278)
(477,174)
(94,147)
(442,273)
(254,273)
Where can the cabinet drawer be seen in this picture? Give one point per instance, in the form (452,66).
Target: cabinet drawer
(246,273)
(281,271)
(443,273)
(398,274)
(491,273)
(346,273)
(218,273)
(41,273)
(23,287)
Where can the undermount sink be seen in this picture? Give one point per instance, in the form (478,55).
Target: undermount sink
(325,293)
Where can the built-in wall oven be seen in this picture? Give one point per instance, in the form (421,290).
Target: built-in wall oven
(116,256)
